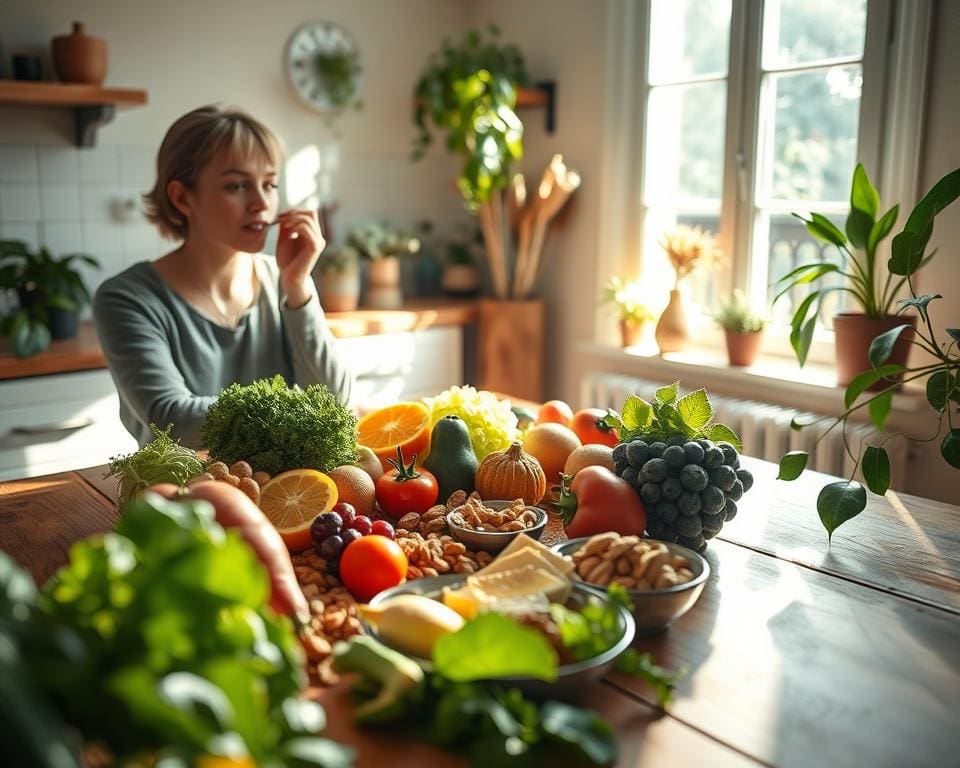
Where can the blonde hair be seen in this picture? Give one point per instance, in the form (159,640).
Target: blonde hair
(192,142)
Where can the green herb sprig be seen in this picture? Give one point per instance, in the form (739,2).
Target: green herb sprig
(163,460)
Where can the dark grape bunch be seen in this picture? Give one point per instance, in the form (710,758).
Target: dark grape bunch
(689,487)
(334,531)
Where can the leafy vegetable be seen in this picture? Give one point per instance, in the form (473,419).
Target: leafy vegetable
(670,414)
(275,428)
(162,461)
(492,424)
(157,639)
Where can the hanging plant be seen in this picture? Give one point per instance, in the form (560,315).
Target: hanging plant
(339,71)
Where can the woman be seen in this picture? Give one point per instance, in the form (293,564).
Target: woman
(216,310)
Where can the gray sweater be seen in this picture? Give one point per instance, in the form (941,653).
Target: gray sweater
(169,362)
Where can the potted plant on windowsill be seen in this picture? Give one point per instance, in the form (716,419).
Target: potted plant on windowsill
(743,329)
(50,292)
(632,313)
(382,244)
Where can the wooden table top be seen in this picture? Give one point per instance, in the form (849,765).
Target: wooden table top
(798,653)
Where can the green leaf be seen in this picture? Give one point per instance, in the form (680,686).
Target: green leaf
(581,729)
(636,413)
(695,409)
(826,230)
(906,253)
(882,228)
(668,394)
(802,338)
(863,195)
(920,302)
(882,345)
(322,753)
(876,469)
(950,448)
(839,502)
(28,337)
(723,433)
(859,226)
(792,465)
(954,333)
(939,197)
(817,271)
(492,646)
(939,386)
(641,665)
(863,381)
(879,409)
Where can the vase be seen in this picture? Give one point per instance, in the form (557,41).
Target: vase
(461,280)
(630,331)
(383,283)
(672,334)
(63,323)
(428,274)
(742,348)
(79,58)
(853,333)
(339,290)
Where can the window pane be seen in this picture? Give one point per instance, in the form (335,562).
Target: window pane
(684,142)
(803,31)
(810,122)
(688,38)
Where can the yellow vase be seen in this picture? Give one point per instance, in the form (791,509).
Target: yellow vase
(672,334)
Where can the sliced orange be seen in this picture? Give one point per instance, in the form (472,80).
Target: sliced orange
(292,500)
(406,425)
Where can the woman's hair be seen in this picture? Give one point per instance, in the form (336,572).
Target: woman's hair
(192,142)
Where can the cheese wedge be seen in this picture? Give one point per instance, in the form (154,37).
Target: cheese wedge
(521,559)
(516,583)
(563,565)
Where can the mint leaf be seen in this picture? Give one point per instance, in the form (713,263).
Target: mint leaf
(636,413)
(792,465)
(668,394)
(721,432)
(492,646)
(632,662)
(582,729)
(695,409)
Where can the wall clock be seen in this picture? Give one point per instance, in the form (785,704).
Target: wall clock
(322,63)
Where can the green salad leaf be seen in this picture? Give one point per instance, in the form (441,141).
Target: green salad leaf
(163,460)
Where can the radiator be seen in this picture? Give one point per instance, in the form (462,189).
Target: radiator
(763,428)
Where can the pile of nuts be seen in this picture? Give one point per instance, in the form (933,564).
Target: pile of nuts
(239,474)
(514,517)
(437,553)
(630,561)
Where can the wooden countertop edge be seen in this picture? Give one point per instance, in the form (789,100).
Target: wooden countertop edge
(83,353)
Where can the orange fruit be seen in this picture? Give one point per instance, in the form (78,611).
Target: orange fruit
(555,412)
(354,486)
(292,500)
(551,445)
(406,425)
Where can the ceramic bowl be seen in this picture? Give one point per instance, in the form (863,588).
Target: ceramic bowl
(493,541)
(655,609)
(571,678)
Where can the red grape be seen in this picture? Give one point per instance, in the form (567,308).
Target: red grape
(383,528)
(346,510)
(363,524)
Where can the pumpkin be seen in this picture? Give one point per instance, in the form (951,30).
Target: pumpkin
(511,474)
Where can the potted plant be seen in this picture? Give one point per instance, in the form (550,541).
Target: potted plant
(842,500)
(50,291)
(461,278)
(743,329)
(631,312)
(873,290)
(338,278)
(381,244)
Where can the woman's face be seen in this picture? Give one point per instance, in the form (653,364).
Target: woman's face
(232,203)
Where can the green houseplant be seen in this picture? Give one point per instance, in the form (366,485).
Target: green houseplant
(381,243)
(631,311)
(339,71)
(338,278)
(51,293)
(840,501)
(742,327)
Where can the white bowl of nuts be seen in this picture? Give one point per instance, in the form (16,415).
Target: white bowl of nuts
(663,580)
(489,526)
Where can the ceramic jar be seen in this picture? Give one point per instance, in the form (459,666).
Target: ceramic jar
(79,58)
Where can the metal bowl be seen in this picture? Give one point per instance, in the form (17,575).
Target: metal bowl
(655,609)
(571,678)
(494,541)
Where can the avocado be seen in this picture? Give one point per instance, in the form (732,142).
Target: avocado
(452,460)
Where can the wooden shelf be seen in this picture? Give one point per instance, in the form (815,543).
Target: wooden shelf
(542,95)
(92,105)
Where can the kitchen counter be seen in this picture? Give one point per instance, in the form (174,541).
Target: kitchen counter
(83,353)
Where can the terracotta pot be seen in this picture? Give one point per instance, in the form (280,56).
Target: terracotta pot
(631,331)
(339,291)
(461,280)
(853,333)
(79,58)
(384,272)
(742,348)
(672,334)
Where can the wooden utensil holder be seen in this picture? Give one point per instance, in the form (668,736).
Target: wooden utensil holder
(510,347)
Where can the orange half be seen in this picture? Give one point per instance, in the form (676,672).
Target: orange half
(406,425)
(292,500)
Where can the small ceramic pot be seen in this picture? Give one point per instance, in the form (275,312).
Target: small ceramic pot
(339,291)
(461,280)
(631,331)
(742,348)
(79,58)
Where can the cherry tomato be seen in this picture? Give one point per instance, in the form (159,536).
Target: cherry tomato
(590,429)
(372,564)
(555,411)
(406,488)
(597,501)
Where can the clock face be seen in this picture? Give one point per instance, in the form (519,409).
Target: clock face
(322,63)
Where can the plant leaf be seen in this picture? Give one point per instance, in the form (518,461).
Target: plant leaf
(817,271)
(863,195)
(882,228)
(954,333)
(668,394)
(863,381)
(695,409)
(823,229)
(939,197)
(802,338)
(792,465)
(882,345)
(839,502)
(637,413)
(939,386)
(876,469)
(879,409)
(950,448)
(723,433)
(859,226)
(906,253)
(920,302)
(582,729)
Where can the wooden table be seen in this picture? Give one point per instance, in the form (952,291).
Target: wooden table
(798,653)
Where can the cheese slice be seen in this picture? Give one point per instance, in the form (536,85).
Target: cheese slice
(520,559)
(563,565)
(525,581)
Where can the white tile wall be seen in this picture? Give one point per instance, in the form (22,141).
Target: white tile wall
(18,163)
(58,165)
(60,202)
(19,202)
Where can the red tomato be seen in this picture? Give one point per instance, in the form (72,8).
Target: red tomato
(597,501)
(555,411)
(590,429)
(372,564)
(406,488)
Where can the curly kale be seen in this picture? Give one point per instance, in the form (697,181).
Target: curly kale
(275,428)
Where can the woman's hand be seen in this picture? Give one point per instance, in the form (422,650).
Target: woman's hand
(235,510)
(299,245)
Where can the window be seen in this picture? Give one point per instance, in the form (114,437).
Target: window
(754,109)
